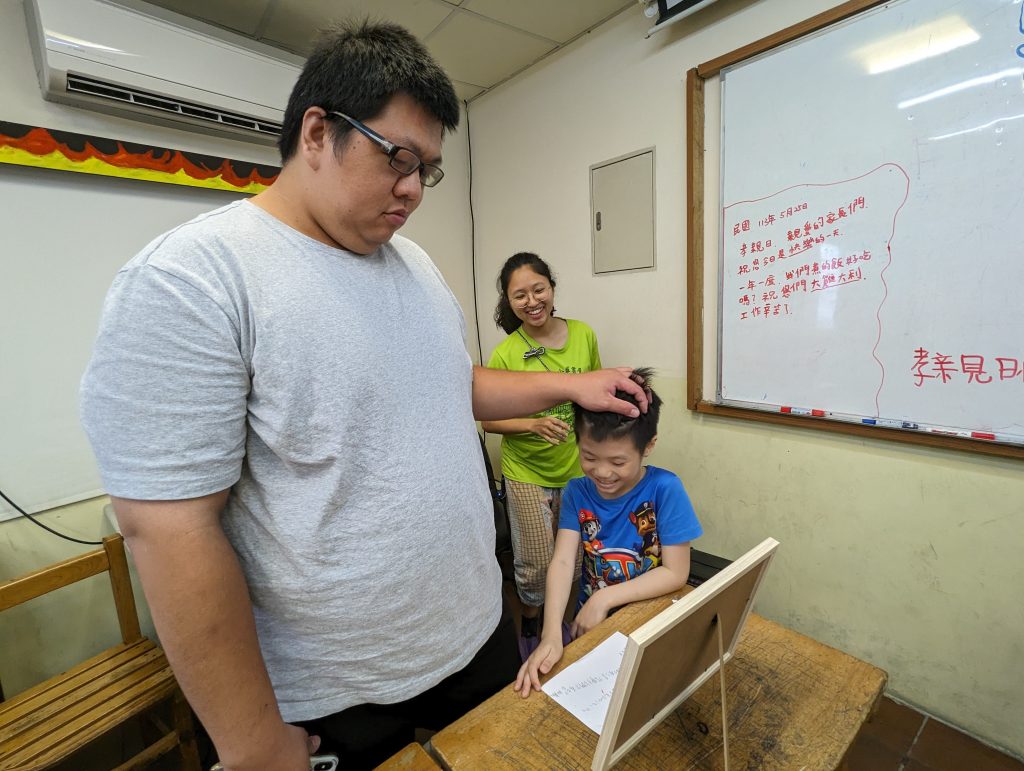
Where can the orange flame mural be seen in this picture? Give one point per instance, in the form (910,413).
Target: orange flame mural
(65,150)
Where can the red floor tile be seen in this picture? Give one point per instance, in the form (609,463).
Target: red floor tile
(941,748)
(894,726)
(869,754)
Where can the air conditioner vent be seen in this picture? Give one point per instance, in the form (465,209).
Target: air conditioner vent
(109,91)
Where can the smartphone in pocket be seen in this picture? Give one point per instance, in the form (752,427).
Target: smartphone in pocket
(323,763)
(316,763)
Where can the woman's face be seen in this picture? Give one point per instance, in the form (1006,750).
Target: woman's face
(531,296)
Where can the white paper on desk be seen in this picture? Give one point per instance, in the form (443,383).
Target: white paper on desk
(585,686)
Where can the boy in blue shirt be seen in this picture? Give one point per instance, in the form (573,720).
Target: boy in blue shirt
(636,523)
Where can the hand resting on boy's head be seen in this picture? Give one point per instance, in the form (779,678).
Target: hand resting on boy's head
(598,391)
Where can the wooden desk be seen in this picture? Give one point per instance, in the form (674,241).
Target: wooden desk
(793,703)
(412,757)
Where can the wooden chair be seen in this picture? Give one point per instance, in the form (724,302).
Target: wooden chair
(51,721)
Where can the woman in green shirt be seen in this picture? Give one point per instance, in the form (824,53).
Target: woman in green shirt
(538,453)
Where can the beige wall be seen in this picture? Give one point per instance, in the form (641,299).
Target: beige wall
(908,558)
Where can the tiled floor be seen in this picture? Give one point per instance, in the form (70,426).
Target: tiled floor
(899,738)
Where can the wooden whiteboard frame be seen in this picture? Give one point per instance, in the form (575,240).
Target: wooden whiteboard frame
(695,269)
(728,596)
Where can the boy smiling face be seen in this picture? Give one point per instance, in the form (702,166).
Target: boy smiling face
(614,464)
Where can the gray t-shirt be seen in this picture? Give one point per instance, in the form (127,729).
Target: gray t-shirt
(332,393)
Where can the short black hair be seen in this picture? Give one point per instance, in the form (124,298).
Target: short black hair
(356,68)
(600,426)
(504,316)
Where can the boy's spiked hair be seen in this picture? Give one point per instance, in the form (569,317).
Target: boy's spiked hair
(356,68)
(600,426)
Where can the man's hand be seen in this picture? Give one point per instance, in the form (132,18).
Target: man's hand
(287,751)
(500,394)
(596,391)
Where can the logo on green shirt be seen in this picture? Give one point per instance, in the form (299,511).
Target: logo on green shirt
(563,412)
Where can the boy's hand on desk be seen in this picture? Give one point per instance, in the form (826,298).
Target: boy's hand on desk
(593,612)
(540,662)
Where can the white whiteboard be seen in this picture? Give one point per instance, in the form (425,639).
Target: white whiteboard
(65,236)
(894,142)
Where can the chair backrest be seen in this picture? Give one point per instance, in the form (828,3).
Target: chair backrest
(110,558)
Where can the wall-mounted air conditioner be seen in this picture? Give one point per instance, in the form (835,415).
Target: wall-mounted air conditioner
(102,56)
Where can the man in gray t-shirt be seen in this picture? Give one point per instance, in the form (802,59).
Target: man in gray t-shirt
(282,409)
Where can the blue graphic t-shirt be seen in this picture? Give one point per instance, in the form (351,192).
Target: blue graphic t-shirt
(622,537)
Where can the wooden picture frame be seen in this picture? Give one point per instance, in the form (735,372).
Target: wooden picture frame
(677,651)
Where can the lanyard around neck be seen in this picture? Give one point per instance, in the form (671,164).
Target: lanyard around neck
(533,352)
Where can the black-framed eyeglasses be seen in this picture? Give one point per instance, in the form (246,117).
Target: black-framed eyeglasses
(402,159)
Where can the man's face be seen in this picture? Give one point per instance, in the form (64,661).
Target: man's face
(360,201)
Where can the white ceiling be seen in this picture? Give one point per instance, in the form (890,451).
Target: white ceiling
(480,43)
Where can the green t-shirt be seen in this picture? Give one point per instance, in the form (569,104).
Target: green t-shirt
(527,457)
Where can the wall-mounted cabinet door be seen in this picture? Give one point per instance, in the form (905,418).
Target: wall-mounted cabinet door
(622,213)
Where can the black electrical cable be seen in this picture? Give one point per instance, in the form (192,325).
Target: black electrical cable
(472,238)
(49,529)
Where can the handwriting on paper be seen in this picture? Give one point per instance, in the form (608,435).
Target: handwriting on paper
(585,686)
